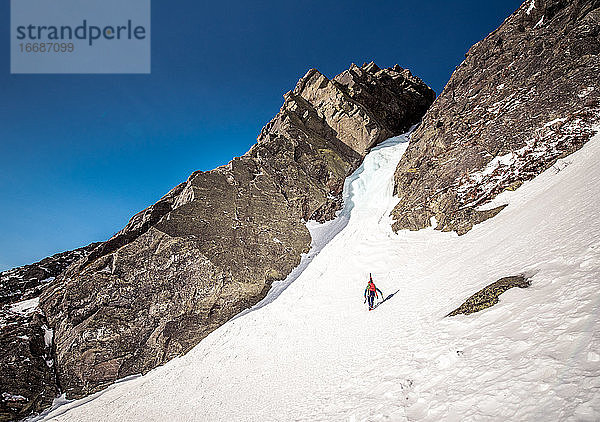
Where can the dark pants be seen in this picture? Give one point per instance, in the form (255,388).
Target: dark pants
(371,299)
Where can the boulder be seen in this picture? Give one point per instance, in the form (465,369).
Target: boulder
(489,295)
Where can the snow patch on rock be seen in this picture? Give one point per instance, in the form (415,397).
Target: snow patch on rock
(13,397)
(48,335)
(550,142)
(25,307)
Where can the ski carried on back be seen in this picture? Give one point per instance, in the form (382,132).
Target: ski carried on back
(372,292)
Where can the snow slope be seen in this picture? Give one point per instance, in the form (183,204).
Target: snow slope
(317,353)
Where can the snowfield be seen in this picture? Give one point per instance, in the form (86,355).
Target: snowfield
(314,352)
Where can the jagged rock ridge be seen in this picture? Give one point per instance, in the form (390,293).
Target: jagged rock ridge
(28,281)
(213,245)
(523,97)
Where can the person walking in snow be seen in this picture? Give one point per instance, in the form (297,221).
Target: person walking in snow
(371,291)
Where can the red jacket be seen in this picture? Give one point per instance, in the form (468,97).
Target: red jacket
(371,288)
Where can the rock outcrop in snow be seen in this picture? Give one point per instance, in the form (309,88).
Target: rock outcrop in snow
(213,245)
(489,295)
(523,97)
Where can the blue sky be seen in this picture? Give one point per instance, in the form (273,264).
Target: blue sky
(80,154)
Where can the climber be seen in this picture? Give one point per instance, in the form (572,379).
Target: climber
(371,291)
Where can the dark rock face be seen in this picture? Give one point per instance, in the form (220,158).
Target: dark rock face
(488,296)
(523,97)
(27,371)
(27,378)
(213,245)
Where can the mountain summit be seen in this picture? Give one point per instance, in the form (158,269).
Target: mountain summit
(213,245)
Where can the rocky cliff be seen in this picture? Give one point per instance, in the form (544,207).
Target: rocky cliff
(213,245)
(27,372)
(523,97)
